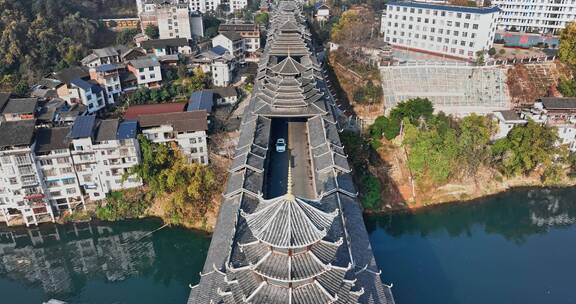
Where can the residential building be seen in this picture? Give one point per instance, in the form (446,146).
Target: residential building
(544,17)
(219,62)
(19,109)
(507,120)
(147,71)
(232,42)
(174,21)
(187,129)
(102,152)
(22,196)
(54,161)
(107,55)
(446,30)
(117,150)
(225,95)
(163,47)
(76,87)
(108,77)
(213,5)
(249,32)
(322,12)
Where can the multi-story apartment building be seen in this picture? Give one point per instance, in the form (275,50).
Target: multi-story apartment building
(108,55)
(442,29)
(174,21)
(108,77)
(147,71)
(249,32)
(543,16)
(76,87)
(54,161)
(232,42)
(204,6)
(22,195)
(187,129)
(117,150)
(102,151)
(219,62)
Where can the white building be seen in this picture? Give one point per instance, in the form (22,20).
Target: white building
(447,30)
(22,195)
(102,152)
(322,12)
(212,5)
(147,71)
(545,17)
(187,129)
(232,42)
(164,47)
(249,32)
(220,63)
(174,21)
(108,77)
(225,95)
(54,161)
(507,120)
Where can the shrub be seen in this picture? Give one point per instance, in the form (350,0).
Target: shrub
(371,192)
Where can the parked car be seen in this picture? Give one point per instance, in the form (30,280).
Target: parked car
(280,145)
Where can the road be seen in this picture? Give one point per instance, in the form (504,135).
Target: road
(297,153)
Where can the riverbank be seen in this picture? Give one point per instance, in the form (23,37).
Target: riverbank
(402,193)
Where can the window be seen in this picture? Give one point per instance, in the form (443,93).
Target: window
(68,181)
(192,140)
(474,26)
(45,162)
(466,25)
(62,160)
(152,76)
(151,69)
(141,70)
(457,24)
(71,190)
(467,16)
(13,181)
(66,170)
(459,15)
(142,77)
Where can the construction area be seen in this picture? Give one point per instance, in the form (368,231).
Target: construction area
(453,87)
(462,88)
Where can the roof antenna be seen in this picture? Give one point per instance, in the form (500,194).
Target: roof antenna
(289,194)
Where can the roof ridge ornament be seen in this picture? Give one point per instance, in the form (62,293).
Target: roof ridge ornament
(289,195)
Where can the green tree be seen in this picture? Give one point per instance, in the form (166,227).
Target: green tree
(152,31)
(473,142)
(492,51)
(567,87)
(261,18)
(371,197)
(480,57)
(567,47)
(126,36)
(525,148)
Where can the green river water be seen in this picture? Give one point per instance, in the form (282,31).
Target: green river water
(517,247)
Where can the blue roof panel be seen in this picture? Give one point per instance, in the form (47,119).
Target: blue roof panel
(201,100)
(220,50)
(127,129)
(83,126)
(452,8)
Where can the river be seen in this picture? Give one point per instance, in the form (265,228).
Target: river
(517,247)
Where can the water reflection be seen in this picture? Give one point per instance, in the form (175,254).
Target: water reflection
(514,215)
(61,258)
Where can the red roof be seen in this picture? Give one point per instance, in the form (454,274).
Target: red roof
(134,111)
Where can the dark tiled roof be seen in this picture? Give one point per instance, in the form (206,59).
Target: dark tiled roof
(181,122)
(49,139)
(83,126)
(510,115)
(164,43)
(16,133)
(232,36)
(3,100)
(68,74)
(107,130)
(146,62)
(248,27)
(134,111)
(20,106)
(558,102)
(225,91)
